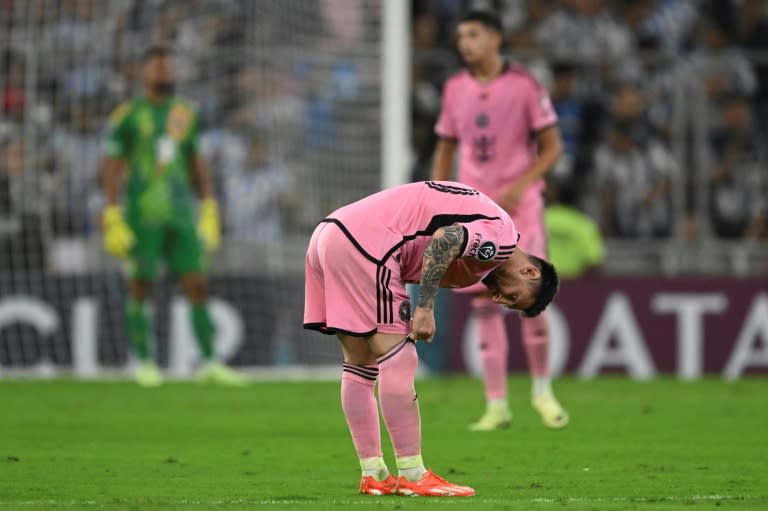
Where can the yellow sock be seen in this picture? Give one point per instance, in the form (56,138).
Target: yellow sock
(374,467)
(411,467)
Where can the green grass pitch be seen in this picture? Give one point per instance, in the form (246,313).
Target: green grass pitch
(661,445)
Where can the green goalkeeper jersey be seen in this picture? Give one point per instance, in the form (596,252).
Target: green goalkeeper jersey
(158,141)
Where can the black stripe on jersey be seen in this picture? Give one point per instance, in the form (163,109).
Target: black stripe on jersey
(455,190)
(437,222)
(370,370)
(351,238)
(503,247)
(355,371)
(505,252)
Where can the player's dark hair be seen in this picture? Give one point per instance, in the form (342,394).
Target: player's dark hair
(549,282)
(155,51)
(489,19)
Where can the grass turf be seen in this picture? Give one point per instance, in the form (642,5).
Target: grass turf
(662,445)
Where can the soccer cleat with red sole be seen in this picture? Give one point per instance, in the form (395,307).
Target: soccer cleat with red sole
(432,485)
(372,486)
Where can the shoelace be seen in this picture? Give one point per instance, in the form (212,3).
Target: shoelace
(436,477)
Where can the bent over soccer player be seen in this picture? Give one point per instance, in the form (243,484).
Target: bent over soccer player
(439,234)
(153,140)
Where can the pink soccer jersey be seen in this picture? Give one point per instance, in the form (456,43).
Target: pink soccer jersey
(361,255)
(494,123)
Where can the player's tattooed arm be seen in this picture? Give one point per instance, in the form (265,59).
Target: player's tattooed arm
(441,251)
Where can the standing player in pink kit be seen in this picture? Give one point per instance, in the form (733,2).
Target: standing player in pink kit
(439,234)
(505,128)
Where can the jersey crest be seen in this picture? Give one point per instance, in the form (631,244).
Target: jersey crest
(179,122)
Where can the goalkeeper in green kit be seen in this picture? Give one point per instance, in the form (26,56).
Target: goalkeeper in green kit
(151,168)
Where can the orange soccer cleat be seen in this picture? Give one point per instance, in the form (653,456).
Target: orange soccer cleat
(432,485)
(372,486)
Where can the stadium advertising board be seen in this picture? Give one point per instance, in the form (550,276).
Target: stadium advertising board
(642,327)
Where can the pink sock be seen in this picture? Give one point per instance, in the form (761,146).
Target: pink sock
(398,399)
(359,404)
(536,340)
(494,348)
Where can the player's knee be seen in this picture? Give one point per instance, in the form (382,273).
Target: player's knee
(356,351)
(397,373)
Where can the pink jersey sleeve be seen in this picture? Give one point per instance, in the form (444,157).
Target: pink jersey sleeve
(489,240)
(446,123)
(541,112)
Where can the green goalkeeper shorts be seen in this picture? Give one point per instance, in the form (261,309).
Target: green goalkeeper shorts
(175,243)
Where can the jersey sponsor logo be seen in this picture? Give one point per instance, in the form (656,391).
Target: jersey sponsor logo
(482,250)
(179,122)
(404,311)
(486,251)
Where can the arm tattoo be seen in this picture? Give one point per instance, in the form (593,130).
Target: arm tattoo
(441,251)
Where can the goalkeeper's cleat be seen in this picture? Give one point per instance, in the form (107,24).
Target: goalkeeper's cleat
(118,237)
(148,375)
(552,413)
(432,485)
(494,418)
(369,485)
(215,372)
(209,225)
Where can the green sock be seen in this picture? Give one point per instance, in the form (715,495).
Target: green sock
(138,325)
(203,327)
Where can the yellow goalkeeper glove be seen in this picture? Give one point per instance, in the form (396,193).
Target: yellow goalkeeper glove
(209,227)
(118,237)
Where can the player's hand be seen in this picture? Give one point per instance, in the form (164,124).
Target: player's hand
(118,237)
(511,196)
(209,226)
(422,324)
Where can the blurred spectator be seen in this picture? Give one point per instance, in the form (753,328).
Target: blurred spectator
(634,178)
(570,108)
(21,227)
(343,19)
(752,34)
(661,24)
(12,93)
(76,145)
(586,33)
(425,108)
(256,196)
(721,66)
(738,182)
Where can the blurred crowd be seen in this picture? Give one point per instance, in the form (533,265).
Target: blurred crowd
(663,106)
(287,94)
